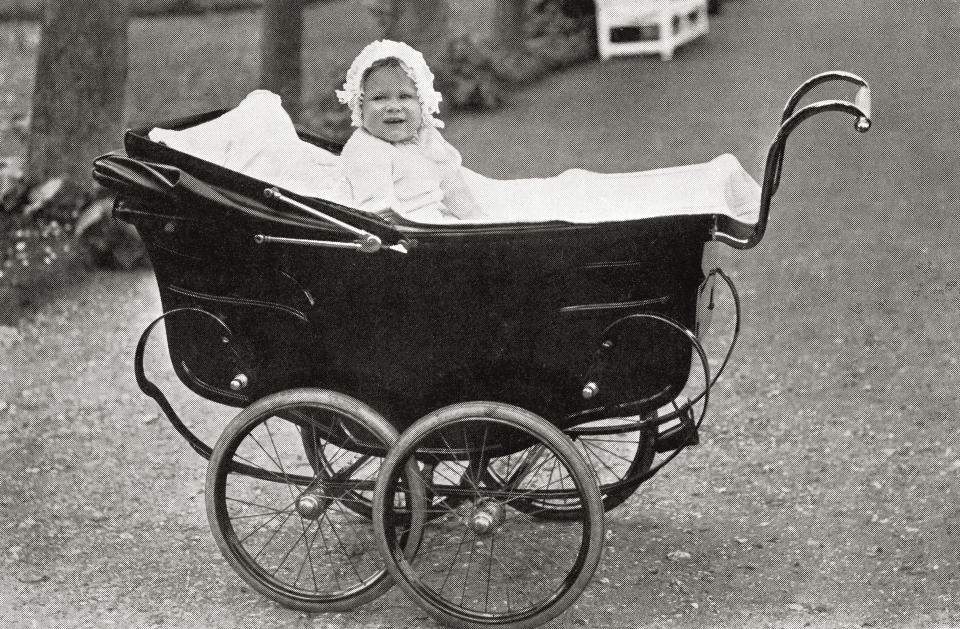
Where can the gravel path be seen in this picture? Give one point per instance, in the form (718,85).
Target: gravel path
(825,490)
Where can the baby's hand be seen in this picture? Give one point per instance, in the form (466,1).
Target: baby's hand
(461,202)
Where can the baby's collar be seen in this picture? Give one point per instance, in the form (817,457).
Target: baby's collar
(416,139)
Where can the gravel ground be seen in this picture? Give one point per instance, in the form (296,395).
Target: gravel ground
(825,490)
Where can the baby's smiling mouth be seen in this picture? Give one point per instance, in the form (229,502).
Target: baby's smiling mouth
(393,120)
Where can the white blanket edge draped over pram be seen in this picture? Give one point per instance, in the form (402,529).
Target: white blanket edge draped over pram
(258,139)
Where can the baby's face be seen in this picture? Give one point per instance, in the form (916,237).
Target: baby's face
(390,108)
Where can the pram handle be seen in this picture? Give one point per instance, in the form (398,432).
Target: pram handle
(860,109)
(861,100)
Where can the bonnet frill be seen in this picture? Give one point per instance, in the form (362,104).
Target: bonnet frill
(413,64)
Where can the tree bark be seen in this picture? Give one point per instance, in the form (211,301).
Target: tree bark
(281,66)
(80,88)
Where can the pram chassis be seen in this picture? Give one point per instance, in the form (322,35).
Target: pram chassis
(590,326)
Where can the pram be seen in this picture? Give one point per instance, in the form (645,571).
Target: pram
(452,408)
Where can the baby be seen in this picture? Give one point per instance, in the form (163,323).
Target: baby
(397,159)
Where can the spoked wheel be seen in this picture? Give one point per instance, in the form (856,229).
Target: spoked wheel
(614,453)
(483,561)
(290,529)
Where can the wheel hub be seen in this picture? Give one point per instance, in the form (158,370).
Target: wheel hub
(311,506)
(487,517)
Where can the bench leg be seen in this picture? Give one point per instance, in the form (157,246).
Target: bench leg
(667,40)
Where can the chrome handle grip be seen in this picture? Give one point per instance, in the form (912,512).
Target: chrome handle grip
(862,102)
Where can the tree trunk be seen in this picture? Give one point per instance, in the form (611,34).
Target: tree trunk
(80,88)
(280,49)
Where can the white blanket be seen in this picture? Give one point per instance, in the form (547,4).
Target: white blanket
(720,186)
(257,138)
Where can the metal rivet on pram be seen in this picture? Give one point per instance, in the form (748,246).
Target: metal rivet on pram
(590,390)
(239,382)
(361,455)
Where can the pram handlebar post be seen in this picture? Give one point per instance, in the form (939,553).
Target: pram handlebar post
(860,109)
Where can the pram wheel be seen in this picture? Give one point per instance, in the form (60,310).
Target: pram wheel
(483,561)
(614,458)
(287,521)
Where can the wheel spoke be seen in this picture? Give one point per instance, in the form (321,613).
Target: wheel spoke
(453,561)
(309,558)
(285,512)
(272,536)
(539,552)
(286,555)
(334,571)
(266,426)
(262,506)
(614,454)
(486,600)
(596,439)
(596,462)
(266,453)
(344,549)
(505,571)
(454,482)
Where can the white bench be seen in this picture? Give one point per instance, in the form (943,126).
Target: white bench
(630,27)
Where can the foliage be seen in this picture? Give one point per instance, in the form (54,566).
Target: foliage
(50,235)
(36,250)
(558,16)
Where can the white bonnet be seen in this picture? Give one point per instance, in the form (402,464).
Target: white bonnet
(413,64)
